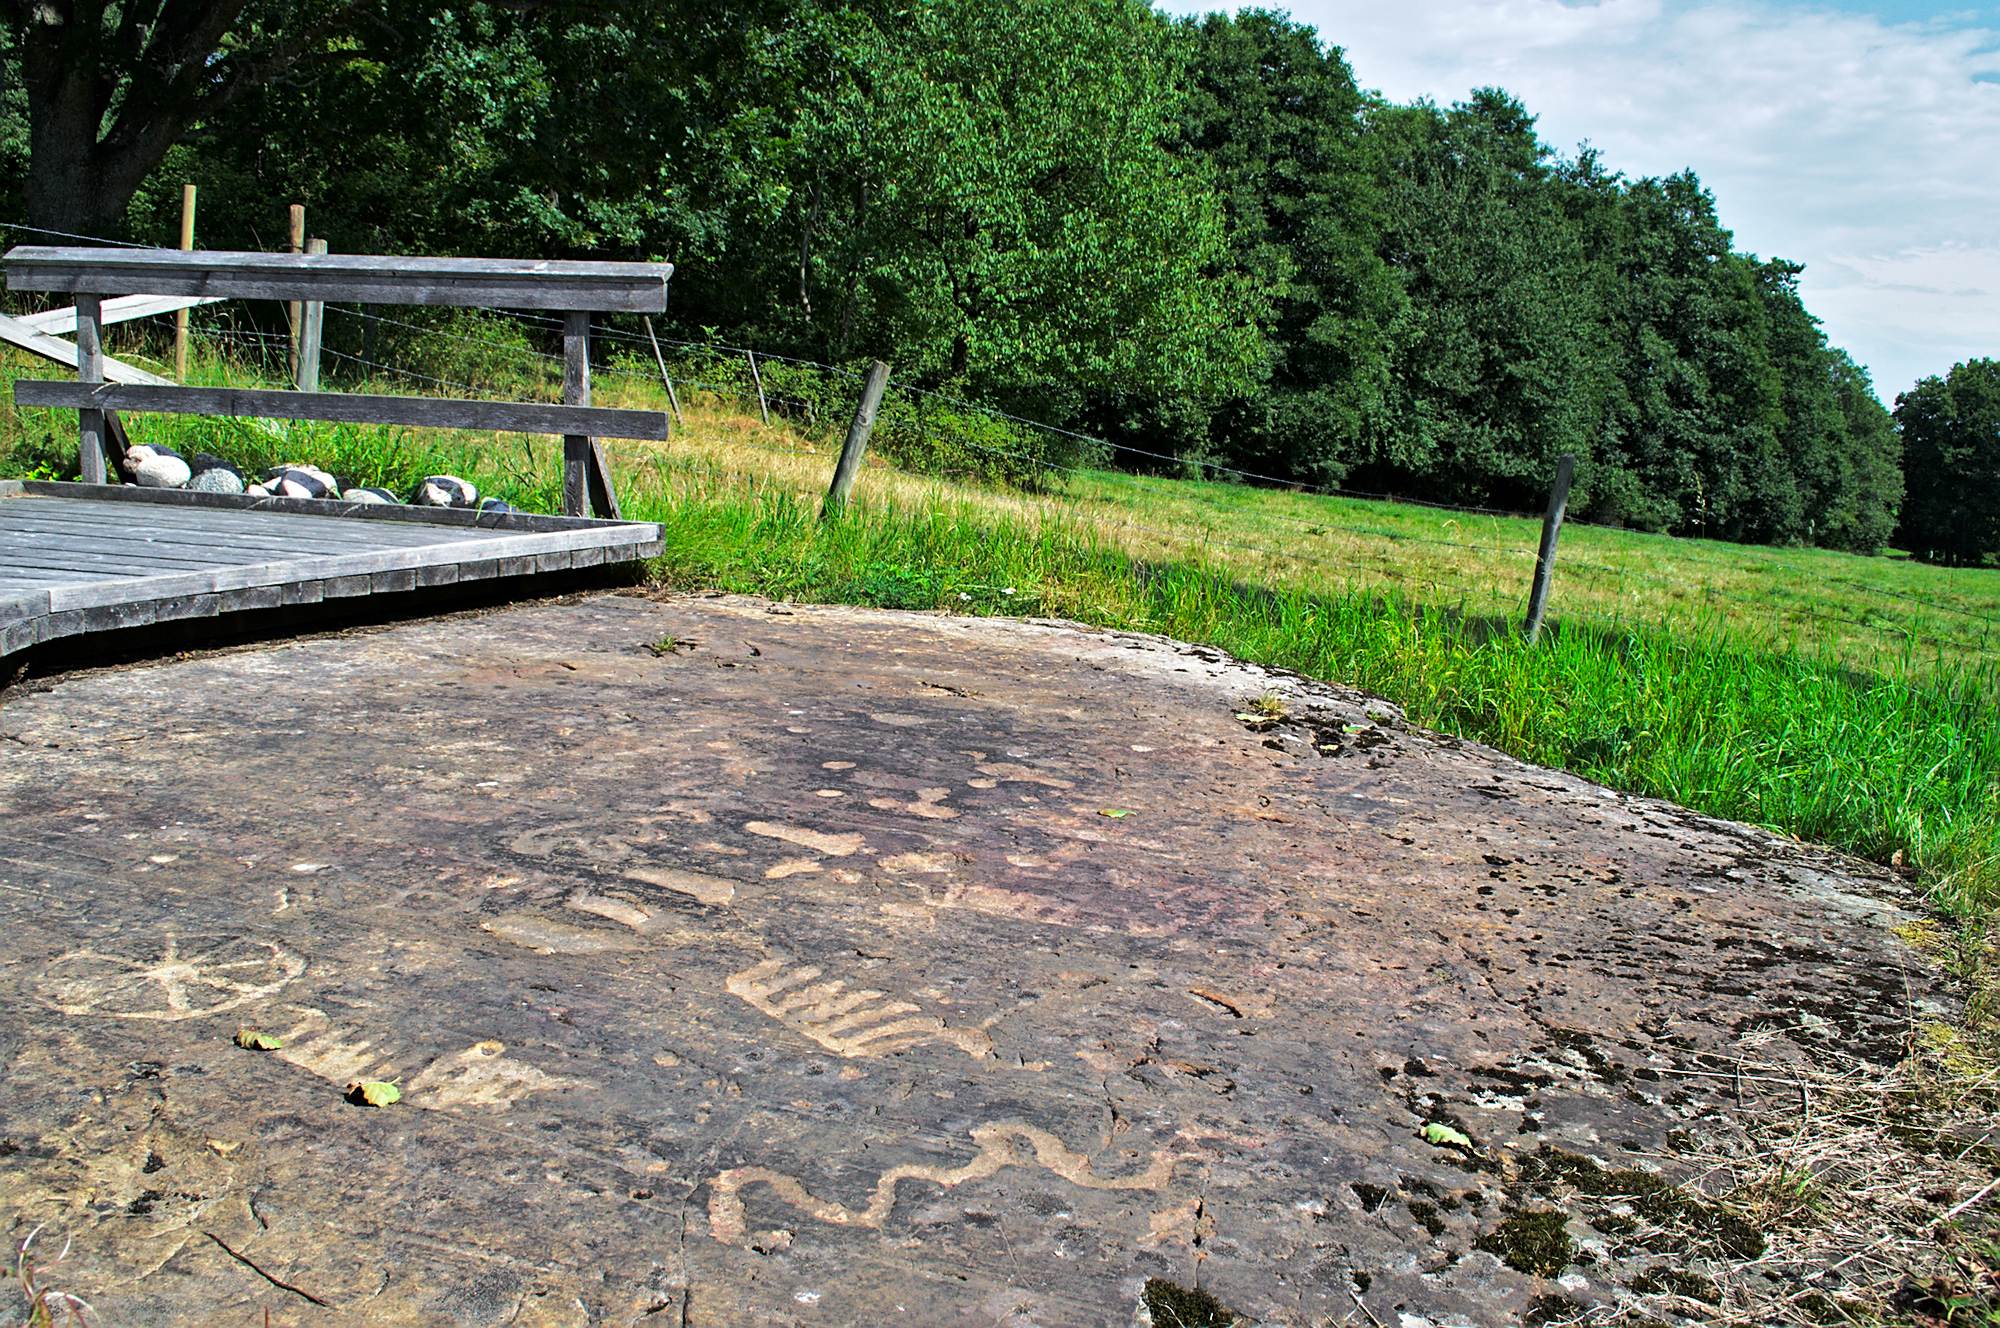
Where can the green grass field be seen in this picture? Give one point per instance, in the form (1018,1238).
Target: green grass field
(1844,700)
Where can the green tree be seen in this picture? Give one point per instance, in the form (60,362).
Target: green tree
(1951,464)
(988,193)
(1281,123)
(1491,380)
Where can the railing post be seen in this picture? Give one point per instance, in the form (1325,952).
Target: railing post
(90,369)
(181,318)
(576,392)
(857,441)
(1545,560)
(293,310)
(311,322)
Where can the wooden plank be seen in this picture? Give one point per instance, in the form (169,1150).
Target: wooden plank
(17,334)
(16,555)
(32,576)
(346,587)
(93,557)
(555,547)
(124,309)
(561,286)
(215,533)
(460,517)
(17,601)
(18,636)
(247,530)
(349,408)
(252,598)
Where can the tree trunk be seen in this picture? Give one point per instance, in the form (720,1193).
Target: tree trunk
(65,188)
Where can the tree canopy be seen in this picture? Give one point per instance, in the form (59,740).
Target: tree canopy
(1951,454)
(1197,237)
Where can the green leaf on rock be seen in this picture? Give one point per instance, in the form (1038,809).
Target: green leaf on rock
(252,1039)
(1443,1136)
(373,1093)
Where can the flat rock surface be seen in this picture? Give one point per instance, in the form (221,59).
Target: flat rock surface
(748,965)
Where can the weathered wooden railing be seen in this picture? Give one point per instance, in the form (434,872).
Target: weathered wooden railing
(576,290)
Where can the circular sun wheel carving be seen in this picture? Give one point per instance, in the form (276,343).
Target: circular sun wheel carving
(187,978)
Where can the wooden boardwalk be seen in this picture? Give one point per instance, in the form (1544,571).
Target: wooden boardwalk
(80,558)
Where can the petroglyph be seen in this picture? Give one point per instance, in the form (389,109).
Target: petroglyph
(955,892)
(615,910)
(926,804)
(546,935)
(588,840)
(482,1075)
(1000,1145)
(846,1021)
(338,1055)
(1010,773)
(698,886)
(834,846)
(926,863)
(574,840)
(186,978)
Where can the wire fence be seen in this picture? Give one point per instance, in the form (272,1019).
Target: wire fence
(1071,475)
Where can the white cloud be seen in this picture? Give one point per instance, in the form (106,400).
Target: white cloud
(1869,150)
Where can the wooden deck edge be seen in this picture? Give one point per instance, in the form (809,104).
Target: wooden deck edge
(508,545)
(18,634)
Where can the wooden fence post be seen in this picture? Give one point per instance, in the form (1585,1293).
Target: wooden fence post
(1545,560)
(312,319)
(576,392)
(293,310)
(857,441)
(90,369)
(181,318)
(763,408)
(672,401)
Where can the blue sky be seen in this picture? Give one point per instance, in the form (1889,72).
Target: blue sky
(1859,138)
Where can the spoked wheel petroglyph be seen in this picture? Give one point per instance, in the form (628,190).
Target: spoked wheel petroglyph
(179,978)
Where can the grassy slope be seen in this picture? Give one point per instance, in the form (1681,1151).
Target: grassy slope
(1850,701)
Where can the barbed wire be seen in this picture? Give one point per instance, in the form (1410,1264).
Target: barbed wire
(72,235)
